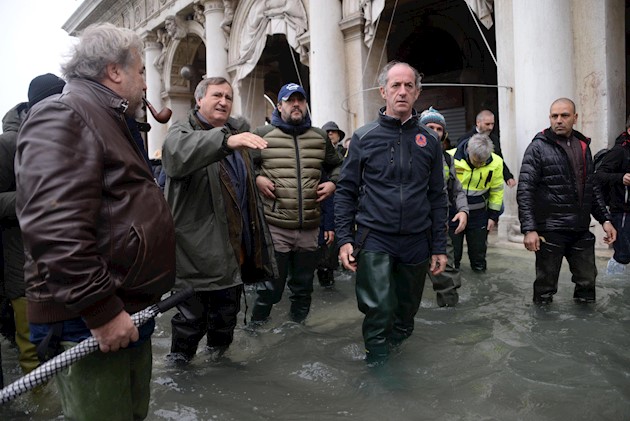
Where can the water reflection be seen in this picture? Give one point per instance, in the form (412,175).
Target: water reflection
(495,356)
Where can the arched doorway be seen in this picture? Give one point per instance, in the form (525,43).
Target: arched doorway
(442,41)
(187,67)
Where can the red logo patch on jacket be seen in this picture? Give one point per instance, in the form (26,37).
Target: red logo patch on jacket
(421,140)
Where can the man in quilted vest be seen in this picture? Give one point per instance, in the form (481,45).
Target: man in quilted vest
(289,171)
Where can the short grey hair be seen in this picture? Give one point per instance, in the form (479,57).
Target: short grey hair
(482,114)
(100,45)
(383,75)
(202,87)
(480,146)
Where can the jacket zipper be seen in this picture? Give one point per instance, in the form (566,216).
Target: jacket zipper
(400,177)
(298,170)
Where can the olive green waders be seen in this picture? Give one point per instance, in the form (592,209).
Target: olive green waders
(389,294)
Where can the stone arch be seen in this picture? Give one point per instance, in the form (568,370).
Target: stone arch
(174,54)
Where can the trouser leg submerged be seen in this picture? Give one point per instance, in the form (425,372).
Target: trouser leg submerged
(326,265)
(581,259)
(107,386)
(408,285)
(389,295)
(189,325)
(224,306)
(446,284)
(211,313)
(300,283)
(548,263)
(376,301)
(477,240)
(269,292)
(579,249)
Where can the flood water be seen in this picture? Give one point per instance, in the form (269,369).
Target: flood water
(495,356)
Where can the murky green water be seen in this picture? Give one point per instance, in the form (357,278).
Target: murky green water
(494,357)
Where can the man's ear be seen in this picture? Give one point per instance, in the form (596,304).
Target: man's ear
(382,90)
(113,72)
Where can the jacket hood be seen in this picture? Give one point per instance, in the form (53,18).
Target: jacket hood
(14,117)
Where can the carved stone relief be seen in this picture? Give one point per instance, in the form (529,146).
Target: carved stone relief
(199,15)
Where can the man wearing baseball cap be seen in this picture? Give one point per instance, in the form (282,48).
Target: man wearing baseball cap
(289,178)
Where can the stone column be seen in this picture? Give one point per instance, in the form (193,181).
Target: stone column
(543,63)
(525,53)
(600,68)
(216,43)
(363,66)
(152,49)
(327,64)
(577,59)
(509,227)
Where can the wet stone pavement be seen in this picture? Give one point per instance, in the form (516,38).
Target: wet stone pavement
(496,356)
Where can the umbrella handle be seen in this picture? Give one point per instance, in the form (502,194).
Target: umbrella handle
(48,369)
(175,299)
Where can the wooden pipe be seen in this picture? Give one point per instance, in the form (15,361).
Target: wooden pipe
(161,117)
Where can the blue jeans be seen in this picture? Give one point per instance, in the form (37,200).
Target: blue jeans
(622,244)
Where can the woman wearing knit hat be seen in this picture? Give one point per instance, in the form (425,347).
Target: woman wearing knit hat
(445,284)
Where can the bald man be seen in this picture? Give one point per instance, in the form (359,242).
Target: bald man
(484,124)
(556,199)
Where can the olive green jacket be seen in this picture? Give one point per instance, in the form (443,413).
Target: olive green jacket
(196,190)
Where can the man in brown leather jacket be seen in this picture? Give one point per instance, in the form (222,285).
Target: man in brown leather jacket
(98,235)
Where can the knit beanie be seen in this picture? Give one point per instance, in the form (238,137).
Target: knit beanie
(432,116)
(44,86)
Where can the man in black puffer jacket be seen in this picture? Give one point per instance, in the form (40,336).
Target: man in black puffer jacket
(556,197)
(614,174)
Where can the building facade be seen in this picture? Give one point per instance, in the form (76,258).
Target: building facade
(513,57)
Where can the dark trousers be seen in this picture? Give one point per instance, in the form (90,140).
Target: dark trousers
(389,294)
(477,241)
(299,267)
(327,263)
(579,250)
(211,313)
(445,284)
(621,222)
